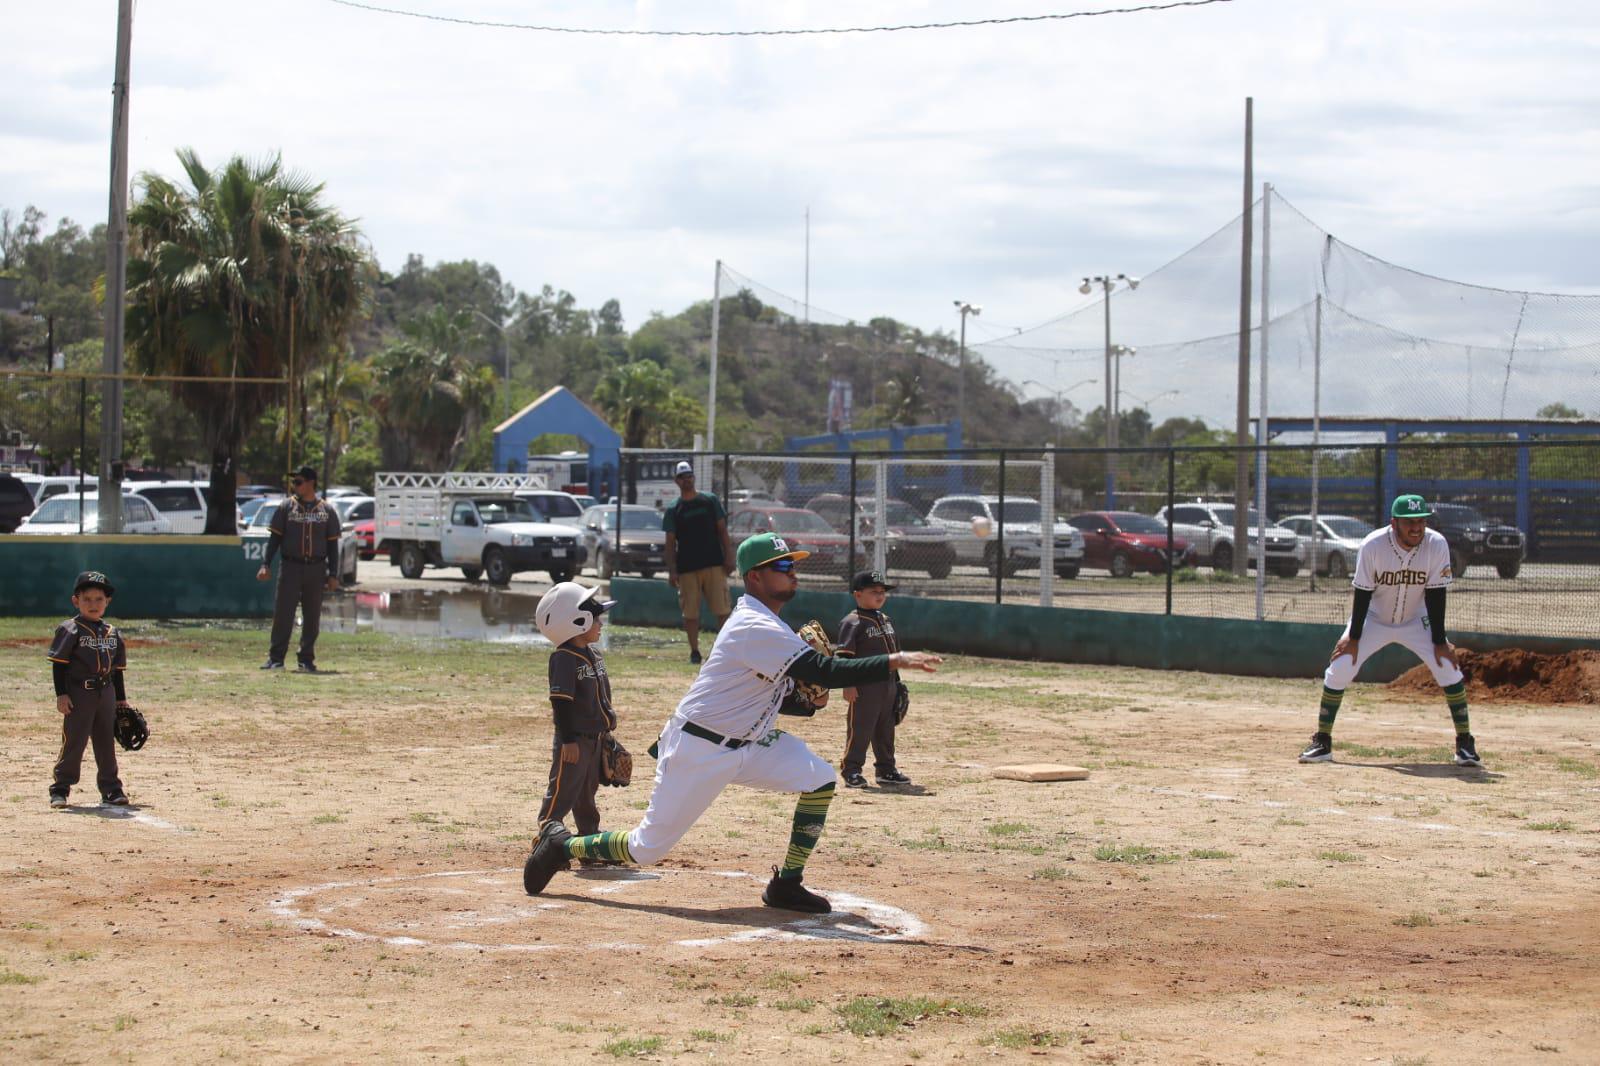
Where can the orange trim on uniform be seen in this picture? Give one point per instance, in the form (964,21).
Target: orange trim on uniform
(53,659)
(555,790)
(560,696)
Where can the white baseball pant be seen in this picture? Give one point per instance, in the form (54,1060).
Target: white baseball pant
(1375,636)
(691,772)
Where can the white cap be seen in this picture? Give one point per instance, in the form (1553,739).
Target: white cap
(567,610)
(682,468)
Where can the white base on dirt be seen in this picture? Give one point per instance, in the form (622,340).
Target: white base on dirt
(1040,771)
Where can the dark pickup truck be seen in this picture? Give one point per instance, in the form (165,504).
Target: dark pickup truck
(1476,541)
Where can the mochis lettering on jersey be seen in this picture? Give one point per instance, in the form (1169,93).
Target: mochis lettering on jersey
(1403,577)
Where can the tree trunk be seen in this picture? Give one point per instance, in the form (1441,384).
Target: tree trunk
(221,503)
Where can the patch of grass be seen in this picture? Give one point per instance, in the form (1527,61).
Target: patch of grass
(424,817)
(1284,882)
(1363,751)
(804,1006)
(1009,829)
(12,977)
(783,979)
(1138,854)
(1019,1037)
(1049,873)
(709,1036)
(632,1047)
(1569,765)
(1410,1060)
(1290,821)
(1560,825)
(733,999)
(78,955)
(1483,873)
(866,1016)
(330,819)
(124,1021)
(1209,853)
(220,801)
(1415,920)
(933,843)
(1338,856)
(1365,1001)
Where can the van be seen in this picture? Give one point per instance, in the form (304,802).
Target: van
(183,503)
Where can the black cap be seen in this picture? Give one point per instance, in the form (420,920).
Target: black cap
(305,473)
(93,579)
(870,579)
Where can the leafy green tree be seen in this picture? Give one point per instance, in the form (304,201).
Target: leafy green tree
(634,397)
(234,276)
(428,403)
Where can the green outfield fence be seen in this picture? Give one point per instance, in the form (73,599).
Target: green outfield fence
(1522,518)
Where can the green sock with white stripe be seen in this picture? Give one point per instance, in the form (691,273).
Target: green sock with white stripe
(809,815)
(1331,698)
(1455,697)
(611,846)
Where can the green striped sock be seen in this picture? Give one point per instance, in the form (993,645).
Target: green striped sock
(1456,697)
(809,814)
(612,845)
(1331,698)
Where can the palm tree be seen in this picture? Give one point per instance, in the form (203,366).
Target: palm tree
(428,403)
(242,274)
(341,387)
(634,397)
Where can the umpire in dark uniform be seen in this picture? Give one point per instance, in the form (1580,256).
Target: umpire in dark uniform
(307,529)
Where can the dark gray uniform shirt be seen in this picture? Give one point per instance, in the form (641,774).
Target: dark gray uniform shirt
(308,532)
(580,692)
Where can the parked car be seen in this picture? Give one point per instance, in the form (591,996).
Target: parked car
(60,515)
(353,509)
(1336,548)
(559,508)
(333,492)
(1125,542)
(248,509)
(1209,527)
(644,542)
(366,534)
(16,502)
(754,497)
(55,484)
(243,494)
(182,502)
(258,530)
(585,500)
(913,543)
(1024,534)
(1476,541)
(804,531)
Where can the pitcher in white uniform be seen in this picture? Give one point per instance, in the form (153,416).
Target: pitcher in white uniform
(1400,578)
(724,732)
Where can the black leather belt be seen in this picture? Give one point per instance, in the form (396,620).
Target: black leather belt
(715,738)
(93,683)
(297,559)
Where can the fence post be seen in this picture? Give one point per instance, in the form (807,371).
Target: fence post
(1378,507)
(1171,503)
(1047,529)
(1000,536)
(727,477)
(855,518)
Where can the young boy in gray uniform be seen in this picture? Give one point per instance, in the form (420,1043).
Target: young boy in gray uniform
(569,616)
(870,718)
(88,656)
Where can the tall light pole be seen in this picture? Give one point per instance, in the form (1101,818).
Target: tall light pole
(1060,396)
(1117,352)
(1107,283)
(961,382)
(505,354)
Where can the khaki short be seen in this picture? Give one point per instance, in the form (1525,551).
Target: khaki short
(710,583)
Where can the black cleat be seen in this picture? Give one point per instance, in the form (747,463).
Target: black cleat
(787,893)
(272,664)
(694,657)
(1467,751)
(58,801)
(118,800)
(1321,749)
(549,855)
(893,777)
(303,667)
(854,781)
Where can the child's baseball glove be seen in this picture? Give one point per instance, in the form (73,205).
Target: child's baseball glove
(616,763)
(131,729)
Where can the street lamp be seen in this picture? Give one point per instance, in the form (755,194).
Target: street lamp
(1117,352)
(505,353)
(1107,283)
(1060,395)
(961,382)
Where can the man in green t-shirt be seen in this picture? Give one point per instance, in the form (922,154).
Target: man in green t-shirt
(699,556)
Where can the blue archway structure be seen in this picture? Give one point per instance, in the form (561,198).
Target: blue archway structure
(559,411)
(894,438)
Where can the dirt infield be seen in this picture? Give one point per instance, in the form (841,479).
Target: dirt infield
(327,869)
(1515,675)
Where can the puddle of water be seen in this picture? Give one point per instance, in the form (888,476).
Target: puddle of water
(481,614)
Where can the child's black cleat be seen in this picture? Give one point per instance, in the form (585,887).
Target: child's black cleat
(787,893)
(549,855)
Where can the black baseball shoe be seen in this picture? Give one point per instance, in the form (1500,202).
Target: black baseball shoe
(694,657)
(303,667)
(1321,749)
(1467,751)
(118,800)
(788,894)
(272,664)
(854,781)
(893,777)
(58,801)
(549,855)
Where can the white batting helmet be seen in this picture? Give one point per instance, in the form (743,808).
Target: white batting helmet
(567,610)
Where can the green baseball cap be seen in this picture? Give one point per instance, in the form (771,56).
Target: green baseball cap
(1410,506)
(764,548)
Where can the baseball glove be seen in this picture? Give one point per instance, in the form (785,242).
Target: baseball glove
(902,701)
(131,729)
(813,634)
(616,763)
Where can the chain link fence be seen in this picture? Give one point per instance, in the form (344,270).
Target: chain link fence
(1153,530)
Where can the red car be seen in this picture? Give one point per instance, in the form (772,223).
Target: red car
(804,531)
(1125,542)
(366,533)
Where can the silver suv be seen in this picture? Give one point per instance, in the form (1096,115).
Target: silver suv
(1209,527)
(1023,533)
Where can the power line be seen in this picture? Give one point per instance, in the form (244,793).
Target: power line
(815,31)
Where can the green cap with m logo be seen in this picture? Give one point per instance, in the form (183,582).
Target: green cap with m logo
(1410,506)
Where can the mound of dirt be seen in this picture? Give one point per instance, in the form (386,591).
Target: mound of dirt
(1512,674)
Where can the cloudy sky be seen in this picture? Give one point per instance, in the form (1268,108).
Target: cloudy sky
(992,164)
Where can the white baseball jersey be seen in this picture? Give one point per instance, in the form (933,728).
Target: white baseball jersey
(742,682)
(1396,577)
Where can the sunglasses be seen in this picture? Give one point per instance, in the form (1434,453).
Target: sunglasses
(782,566)
(297,481)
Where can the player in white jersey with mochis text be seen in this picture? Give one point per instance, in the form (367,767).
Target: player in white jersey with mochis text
(1401,575)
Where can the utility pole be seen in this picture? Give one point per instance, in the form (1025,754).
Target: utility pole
(1241,422)
(110,487)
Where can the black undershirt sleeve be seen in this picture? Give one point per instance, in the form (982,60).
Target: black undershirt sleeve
(116,684)
(273,540)
(831,671)
(59,672)
(1434,600)
(1358,612)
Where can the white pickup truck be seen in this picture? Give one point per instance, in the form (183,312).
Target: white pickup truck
(472,521)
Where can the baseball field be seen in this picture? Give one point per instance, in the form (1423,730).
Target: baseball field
(327,868)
